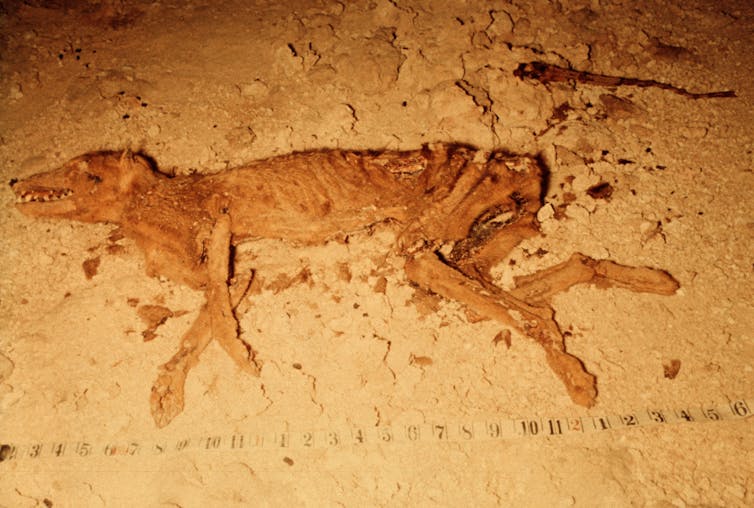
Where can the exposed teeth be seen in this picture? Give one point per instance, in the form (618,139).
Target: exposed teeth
(44,196)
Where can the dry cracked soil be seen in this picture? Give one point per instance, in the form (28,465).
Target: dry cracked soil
(637,174)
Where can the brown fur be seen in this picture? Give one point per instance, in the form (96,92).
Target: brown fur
(458,211)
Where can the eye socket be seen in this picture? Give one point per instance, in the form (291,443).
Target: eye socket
(94,178)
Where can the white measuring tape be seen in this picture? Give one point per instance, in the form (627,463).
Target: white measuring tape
(457,431)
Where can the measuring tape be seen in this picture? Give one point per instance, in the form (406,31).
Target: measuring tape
(467,431)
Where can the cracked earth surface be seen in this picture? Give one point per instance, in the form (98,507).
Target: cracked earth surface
(640,176)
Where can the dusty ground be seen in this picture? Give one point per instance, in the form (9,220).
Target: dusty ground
(201,87)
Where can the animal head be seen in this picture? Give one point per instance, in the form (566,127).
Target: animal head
(94,187)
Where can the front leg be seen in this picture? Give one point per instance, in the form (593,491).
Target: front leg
(223,323)
(216,320)
(167,399)
(429,272)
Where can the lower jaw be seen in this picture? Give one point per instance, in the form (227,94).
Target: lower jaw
(46,208)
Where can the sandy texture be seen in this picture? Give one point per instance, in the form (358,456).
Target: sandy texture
(344,339)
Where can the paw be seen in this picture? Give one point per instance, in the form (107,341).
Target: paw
(166,400)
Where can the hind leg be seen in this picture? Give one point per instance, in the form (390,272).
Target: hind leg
(430,272)
(487,213)
(539,287)
(527,308)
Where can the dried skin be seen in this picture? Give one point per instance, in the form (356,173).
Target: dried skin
(153,316)
(549,73)
(671,369)
(457,211)
(90,267)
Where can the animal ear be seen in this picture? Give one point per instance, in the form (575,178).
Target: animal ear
(131,168)
(126,157)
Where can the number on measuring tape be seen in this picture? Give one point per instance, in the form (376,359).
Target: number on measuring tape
(602,423)
(466,431)
(575,424)
(385,434)
(711,414)
(684,414)
(83,448)
(212,442)
(529,427)
(358,436)
(740,408)
(440,432)
(629,420)
(236,441)
(333,438)
(459,431)
(494,430)
(413,432)
(554,426)
(657,416)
